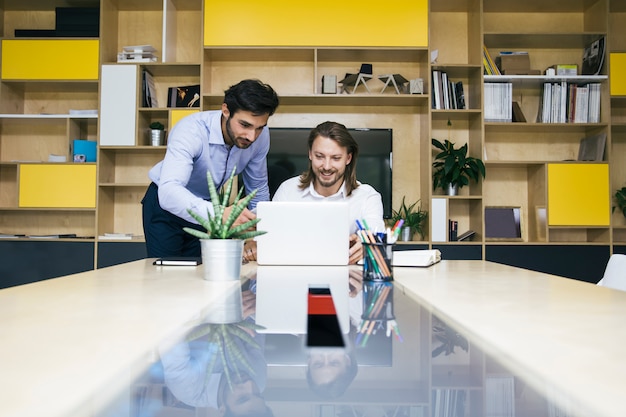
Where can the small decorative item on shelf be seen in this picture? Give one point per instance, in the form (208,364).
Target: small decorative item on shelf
(453,168)
(413,217)
(620,200)
(222,242)
(157,134)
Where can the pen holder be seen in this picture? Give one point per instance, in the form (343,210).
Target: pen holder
(378,301)
(377,261)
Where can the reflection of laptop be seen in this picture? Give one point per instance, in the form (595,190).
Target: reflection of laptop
(303,233)
(282,291)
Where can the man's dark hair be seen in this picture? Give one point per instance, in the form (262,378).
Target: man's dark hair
(253,96)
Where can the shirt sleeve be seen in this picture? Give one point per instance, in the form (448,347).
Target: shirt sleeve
(372,210)
(255,174)
(184,147)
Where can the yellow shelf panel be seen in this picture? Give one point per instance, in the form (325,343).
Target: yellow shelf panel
(291,23)
(50,59)
(618,73)
(57,185)
(176,115)
(578,195)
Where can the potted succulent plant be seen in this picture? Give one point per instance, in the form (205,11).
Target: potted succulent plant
(414,218)
(222,242)
(453,168)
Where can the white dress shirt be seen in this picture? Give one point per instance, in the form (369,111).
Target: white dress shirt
(365,202)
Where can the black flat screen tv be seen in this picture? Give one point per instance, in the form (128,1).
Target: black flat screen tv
(289,156)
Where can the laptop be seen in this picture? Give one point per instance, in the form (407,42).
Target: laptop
(281,296)
(303,233)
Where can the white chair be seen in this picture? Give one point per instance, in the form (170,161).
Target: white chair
(615,273)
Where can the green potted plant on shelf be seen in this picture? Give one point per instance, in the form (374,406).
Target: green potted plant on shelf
(453,169)
(222,242)
(157,134)
(620,200)
(414,218)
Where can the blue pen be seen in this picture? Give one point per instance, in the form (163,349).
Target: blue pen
(358,224)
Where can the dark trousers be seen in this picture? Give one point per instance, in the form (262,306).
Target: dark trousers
(164,231)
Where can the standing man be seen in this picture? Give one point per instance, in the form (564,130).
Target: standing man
(215,141)
(331,176)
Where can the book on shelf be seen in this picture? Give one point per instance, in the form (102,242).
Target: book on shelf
(518,114)
(184,96)
(149,90)
(118,236)
(449,402)
(592,148)
(500,395)
(139,53)
(490,67)
(498,102)
(563,102)
(593,57)
(447,94)
(54,236)
(10,236)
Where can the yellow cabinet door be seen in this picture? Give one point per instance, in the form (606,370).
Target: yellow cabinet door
(176,115)
(50,59)
(320,23)
(617,73)
(578,195)
(57,185)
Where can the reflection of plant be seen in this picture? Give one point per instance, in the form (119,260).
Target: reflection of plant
(223,336)
(215,225)
(448,337)
(620,200)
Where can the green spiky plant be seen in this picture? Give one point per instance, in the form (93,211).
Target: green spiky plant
(214,224)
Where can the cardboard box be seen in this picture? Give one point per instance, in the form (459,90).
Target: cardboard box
(513,64)
(565,69)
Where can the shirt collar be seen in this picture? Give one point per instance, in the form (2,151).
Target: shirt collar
(341,193)
(215,130)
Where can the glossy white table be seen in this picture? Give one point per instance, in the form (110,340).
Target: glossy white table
(65,340)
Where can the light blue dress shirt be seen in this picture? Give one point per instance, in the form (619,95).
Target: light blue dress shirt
(196,145)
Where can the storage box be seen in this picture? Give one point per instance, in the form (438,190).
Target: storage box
(84,147)
(513,64)
(565,69)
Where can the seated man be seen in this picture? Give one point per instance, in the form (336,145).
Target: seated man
(331,176)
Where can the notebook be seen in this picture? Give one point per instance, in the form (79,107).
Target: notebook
(303,233)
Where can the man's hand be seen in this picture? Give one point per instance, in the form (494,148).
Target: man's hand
(356,249)
(249,251)
(245,216)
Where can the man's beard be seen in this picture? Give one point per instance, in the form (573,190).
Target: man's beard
(243,143)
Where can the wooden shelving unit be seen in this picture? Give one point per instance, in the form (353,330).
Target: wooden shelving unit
(516,154)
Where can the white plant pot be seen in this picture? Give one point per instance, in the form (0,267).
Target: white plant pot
(406,234)
(157,137)
(453,189)
(221,259)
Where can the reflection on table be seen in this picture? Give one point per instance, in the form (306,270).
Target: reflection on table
(248,355)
